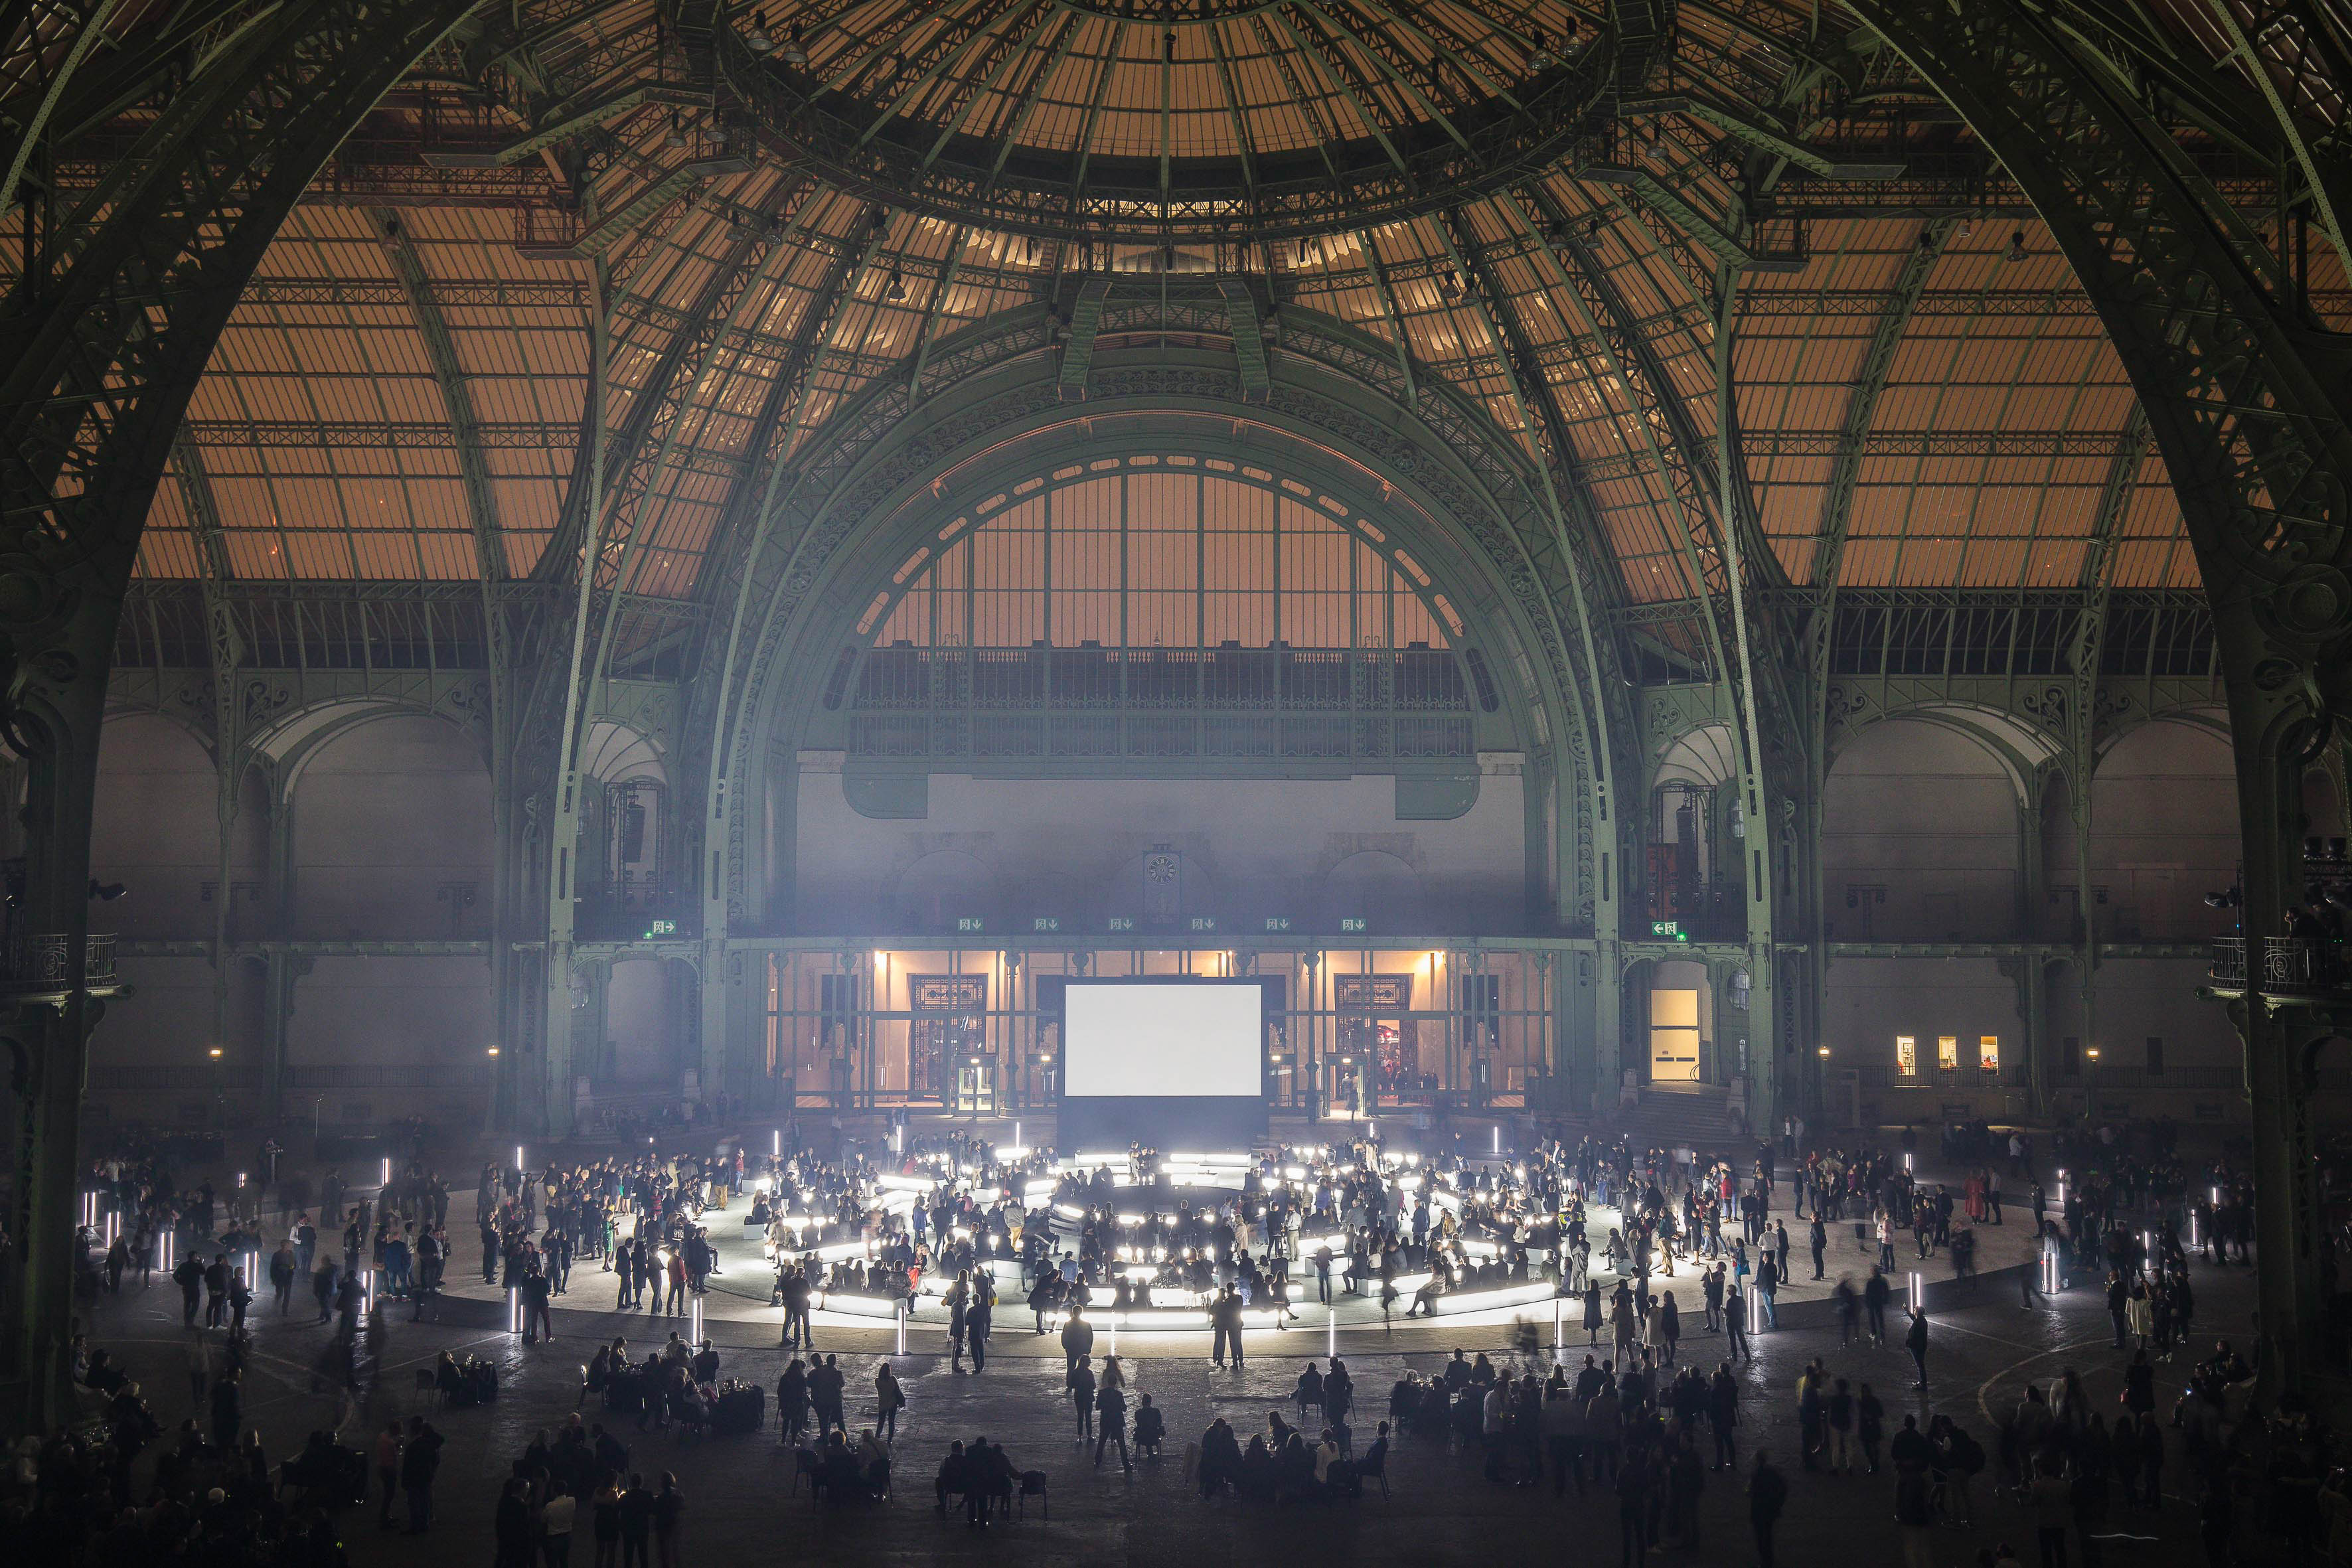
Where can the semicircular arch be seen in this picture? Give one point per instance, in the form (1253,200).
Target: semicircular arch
(883,457)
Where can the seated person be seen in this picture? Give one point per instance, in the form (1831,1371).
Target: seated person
(952,1477)
(1151,1428)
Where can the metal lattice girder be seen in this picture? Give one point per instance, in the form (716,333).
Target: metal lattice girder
(568,120)
(1702,229)
(1750,126)
(2249,408)
(2252,412)
(1249,339)
(2300,57)
(693,24)
(1861,403)
(98,360)
(619,222)
(631,446)
(1660,412)
(1078,344)
(46,42)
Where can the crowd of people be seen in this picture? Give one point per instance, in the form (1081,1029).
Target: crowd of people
(1601,1222)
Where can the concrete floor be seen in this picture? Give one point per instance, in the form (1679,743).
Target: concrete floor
(1441,1510)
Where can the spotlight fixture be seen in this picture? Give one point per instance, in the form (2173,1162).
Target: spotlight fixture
(2016,251)
(880,223)
(758,38)
(1927,242)
(794,52)
(1593,227)
(1168,46)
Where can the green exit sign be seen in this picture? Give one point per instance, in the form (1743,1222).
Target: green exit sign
(1670,929)
(1352,922)
(660,928)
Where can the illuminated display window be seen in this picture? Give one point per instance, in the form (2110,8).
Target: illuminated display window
(1948,1053)
(1988,1053)
(1906,1056)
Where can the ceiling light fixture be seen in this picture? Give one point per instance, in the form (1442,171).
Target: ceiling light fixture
(1539,54)
(896,290)
(2016,251)
(795,53)
(758,38)
(676,136)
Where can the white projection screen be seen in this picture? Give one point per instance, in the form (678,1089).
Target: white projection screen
(1193,1039)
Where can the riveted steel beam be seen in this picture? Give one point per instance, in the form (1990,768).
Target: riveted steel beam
(100,346)
(2252,412)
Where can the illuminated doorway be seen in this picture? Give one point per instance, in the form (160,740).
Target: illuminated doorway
(1674,1036)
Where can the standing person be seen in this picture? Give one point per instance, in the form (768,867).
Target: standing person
(511,1526)
(1915,1341)
(419,1458)
(1634,1498)
(1226,1315)
(556,1518)
(669,1508)
(201,1366)
(387,1470)
(889,1400)
(1077,1340)
(1110,1423)
(228,1409)
(281,1275)
(606,1510)
(1768,1494)
(980,1322)
(637,1524)
(1081,1382)
(1723,1415)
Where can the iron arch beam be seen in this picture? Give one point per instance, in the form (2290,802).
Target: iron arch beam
(99,350)
(2252,412)
(1444,447)
(845,598)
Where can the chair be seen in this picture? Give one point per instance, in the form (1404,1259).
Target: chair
(1033,1485)
(1375,1464)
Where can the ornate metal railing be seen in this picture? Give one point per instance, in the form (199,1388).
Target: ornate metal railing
(39,961)
(2289,965)
(2302,963)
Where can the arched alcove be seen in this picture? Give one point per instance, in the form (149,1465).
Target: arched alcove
(154,828)
(2163,833)
(1919,836)
(392,833)
(650,1031)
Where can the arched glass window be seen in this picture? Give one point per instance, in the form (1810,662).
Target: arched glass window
(1168,560)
